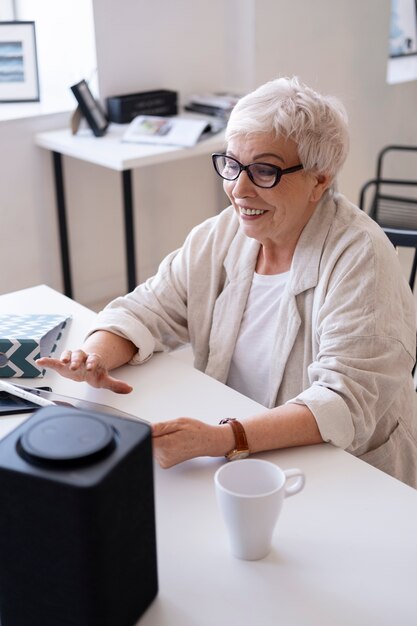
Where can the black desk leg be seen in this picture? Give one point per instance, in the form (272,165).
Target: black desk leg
(129,229)
(62,224)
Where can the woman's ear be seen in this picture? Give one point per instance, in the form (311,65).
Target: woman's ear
(322,183)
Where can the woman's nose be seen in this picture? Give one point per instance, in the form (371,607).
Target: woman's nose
(243,186)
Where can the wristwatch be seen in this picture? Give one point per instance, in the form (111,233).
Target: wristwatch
(241,449)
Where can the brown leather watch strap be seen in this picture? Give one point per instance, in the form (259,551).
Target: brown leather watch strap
(241,443)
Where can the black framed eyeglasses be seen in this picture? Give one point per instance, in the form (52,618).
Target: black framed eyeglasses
(263,175)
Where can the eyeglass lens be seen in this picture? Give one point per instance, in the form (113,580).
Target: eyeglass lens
(261,174)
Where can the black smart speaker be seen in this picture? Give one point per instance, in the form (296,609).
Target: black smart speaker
(77,520)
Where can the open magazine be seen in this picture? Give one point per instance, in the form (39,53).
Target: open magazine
(169,131)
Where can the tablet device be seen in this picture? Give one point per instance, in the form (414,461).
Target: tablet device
(9,404)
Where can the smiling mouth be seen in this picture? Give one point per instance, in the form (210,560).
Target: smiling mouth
(251,211)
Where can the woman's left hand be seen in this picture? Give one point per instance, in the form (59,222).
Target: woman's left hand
(186,438)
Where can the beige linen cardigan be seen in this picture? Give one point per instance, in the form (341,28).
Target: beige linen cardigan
(345,326)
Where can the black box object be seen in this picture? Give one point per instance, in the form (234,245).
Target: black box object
(122,109)
(77,527)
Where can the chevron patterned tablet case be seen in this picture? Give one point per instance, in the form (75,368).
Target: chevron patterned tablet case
(24,339)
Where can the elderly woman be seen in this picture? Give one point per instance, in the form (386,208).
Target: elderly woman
(292,296)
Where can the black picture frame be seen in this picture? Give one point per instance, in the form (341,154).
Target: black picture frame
(90,108)
(19,78)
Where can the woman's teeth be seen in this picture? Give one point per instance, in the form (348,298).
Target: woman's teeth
(251,211)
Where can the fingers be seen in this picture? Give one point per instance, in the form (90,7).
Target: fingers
(181,439)
(77,359)
(66,356)
(85,367)
(117,386)
(92,361)
(177,425)
(164,428)
(46,361)
(164,460)
(55,364)
(73,359)
(167,446)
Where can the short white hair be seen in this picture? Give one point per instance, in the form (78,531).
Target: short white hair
(318,124)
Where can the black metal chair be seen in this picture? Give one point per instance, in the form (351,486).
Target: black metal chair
(391,205)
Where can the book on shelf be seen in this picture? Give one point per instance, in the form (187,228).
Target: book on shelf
(169,131)
(222,100)
(216,104)
(206,109)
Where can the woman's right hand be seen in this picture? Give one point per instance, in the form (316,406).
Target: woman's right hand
(85,366)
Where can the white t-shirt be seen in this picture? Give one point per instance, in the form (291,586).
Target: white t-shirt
(250,365)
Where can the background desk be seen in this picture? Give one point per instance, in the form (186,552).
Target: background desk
(345,550)
(109,151)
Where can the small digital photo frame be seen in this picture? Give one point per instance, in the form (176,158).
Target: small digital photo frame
(90,109)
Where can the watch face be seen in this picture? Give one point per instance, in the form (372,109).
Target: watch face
(235,455)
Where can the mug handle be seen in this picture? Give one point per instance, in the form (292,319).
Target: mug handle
(297,485)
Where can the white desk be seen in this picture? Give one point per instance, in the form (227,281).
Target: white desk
(345,550)
(110,152)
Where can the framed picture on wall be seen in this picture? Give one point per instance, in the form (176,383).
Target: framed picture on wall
(90,108)
(403,28)
(19,81)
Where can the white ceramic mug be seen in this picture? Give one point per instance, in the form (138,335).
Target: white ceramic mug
(250,494)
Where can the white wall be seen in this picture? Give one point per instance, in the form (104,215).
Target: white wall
(341,48)
(146,45)
(29,246)
(190,45)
